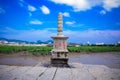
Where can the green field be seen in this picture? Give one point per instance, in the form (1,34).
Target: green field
(30,49)
(94,49)
(46,50)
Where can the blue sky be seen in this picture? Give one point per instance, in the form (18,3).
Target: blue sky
(84,20)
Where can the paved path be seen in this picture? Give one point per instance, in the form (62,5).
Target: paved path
(76,72)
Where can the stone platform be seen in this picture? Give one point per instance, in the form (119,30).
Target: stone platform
(75,72)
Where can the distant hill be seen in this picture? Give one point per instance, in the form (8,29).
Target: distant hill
(22,41)
(45,42)
(14,40)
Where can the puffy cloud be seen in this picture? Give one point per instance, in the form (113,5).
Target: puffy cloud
(70,22)
(78,5)
(45,9)
(66,14)
(83,5)
(37,22)
(109,4)
(31,8)
(2,10)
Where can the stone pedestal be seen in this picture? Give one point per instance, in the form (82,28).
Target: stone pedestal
(59,52)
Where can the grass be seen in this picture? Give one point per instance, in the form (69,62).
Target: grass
(94,49)
(35,50)
(39,50)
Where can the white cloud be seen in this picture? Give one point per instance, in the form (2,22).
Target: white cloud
(106,36)
(102,12)
(45,9)
(2,10)
(66,14)
(70,22)
(50,29)
(31,8)
(93,36)
(83,5)
(35,22)
(109,4)
(29,35)
(27,6)
(77,5)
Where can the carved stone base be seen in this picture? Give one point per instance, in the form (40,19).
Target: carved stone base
(59,62)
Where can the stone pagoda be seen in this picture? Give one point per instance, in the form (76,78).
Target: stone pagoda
(59,51)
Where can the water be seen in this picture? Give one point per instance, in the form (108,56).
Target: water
(20,61)
(111,60)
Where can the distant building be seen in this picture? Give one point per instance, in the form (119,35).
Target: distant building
(43,44)
(77,45)
(2,42)
(13,43)
(99,44)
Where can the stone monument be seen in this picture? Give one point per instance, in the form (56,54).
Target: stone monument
(59,51)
